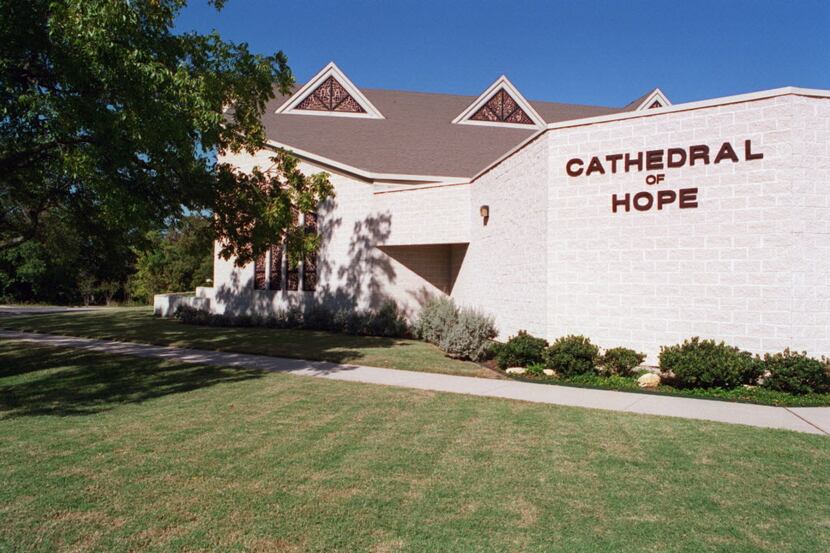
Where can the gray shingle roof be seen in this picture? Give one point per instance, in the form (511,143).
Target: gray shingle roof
(416,136)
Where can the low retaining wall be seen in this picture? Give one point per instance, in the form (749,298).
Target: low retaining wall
(165,305)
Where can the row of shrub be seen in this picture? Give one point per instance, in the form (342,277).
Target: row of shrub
(463,333)
(386,321)
(568,356)
(700,363)
(695,363)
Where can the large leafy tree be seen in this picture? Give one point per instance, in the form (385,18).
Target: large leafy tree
(111,118)
(175,259)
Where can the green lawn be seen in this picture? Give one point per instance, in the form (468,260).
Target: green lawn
(106,453)
(139,325)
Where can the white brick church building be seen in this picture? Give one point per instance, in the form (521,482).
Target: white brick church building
(637,226)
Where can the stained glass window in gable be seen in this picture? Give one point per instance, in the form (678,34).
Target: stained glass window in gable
(331,96)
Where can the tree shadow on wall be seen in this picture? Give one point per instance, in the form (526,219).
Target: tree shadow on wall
(368,267)
(355,282)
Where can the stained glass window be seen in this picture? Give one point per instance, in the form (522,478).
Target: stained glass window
(310,260)
(275,276)
(331,96)
(292,275)
(259,272)
(501,107)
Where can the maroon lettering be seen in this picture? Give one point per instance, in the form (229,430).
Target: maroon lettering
(654,160)
(638,161)
(748,155)
(700,152)
(643,206)
(665,197)
(620,202)
(594,167)
(613,158)
(726,152)
(575,162)
(676,157)
(688,198)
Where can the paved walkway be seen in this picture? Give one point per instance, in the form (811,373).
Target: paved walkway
(814,420)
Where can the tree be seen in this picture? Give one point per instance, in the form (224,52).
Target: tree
(177,259)
(69,262)
(111,118)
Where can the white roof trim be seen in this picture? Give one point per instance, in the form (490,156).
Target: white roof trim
(330,70)
(370,176)
(689,106)
(501,82)
(722,101)
(657,96)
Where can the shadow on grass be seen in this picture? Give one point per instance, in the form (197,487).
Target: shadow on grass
(37,380)
(139,325)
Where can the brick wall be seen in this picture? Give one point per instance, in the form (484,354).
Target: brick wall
(742,267)
(750,265)
(504,269)
(426,214)
(354,270)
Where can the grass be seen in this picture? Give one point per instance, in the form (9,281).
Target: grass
(139,325)
(109,453)
(756,394)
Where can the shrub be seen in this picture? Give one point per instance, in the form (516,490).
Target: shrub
(436,319)
(521,350)
(388,321)
(794,372)
(319,317)
(536,369)
(192,316)
(572,355)
(700,363)
(470,336)
(344,320)
(622,361)
(493,349)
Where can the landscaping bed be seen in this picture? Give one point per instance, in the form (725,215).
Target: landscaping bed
(696,368)
(756,394)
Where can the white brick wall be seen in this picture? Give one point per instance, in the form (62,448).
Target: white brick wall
(750,265)
(426,215)
(742,267)
(504,270)
(352,270)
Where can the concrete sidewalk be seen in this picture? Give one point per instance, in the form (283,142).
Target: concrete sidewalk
(814,420)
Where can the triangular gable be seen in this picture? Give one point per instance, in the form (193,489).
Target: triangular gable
(501,105)
(652,100)
(330,92)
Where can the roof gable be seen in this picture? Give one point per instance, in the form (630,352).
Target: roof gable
(330,93)
(651,100)
(501,105)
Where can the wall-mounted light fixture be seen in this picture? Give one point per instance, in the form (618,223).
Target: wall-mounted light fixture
(484,211)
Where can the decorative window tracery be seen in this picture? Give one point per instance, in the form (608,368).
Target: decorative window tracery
(292,274)
(259,272)
(331,96)
(501,107)
(310,260)
(275,276)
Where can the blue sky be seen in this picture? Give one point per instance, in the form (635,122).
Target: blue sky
(603,53)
